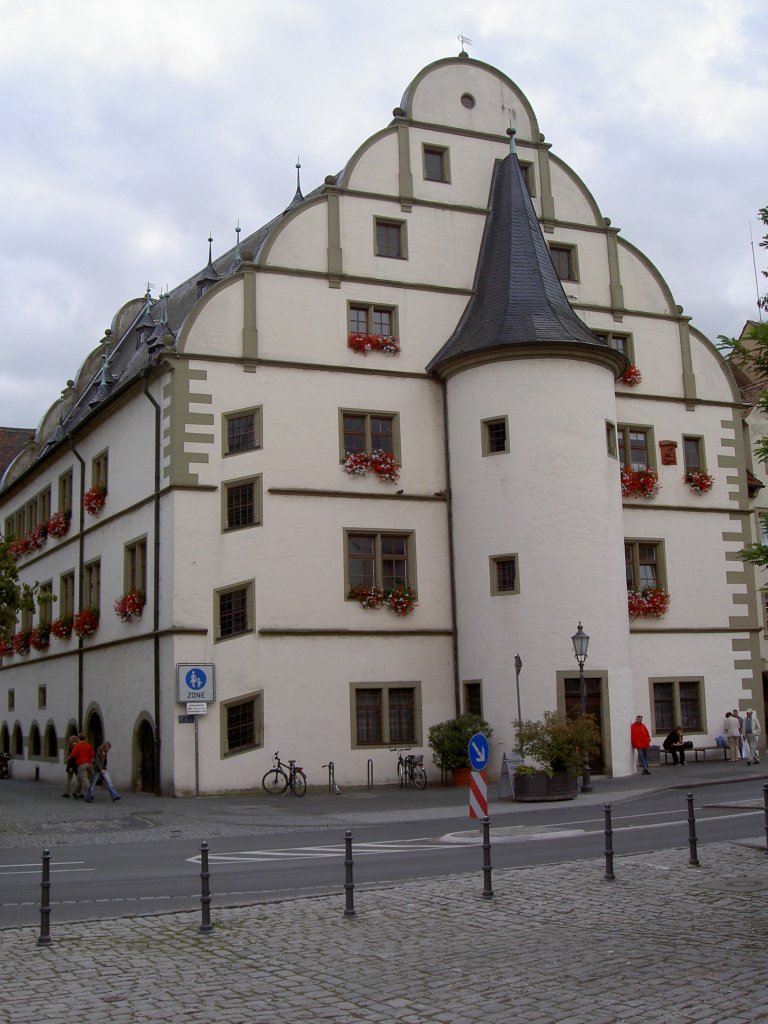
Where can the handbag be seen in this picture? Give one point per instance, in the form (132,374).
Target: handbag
(688,745)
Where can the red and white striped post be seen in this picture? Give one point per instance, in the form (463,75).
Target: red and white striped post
(478,795)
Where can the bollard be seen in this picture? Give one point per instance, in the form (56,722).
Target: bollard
(370,773)
(205,898)
(332,787)
(44,938)
(693,860)
(609,875)
(349,884)
(765,801)
(487,890)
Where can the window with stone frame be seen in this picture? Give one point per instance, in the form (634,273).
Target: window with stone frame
(495,435)
(67,594)
(678,702)
(473,697)
(242,502)
(436,165)
(693,454)
(65,492)
(504,575)
(635,447)
(100,470)
(233,609)
(135,572)
(242,724)
(390,238)
(564,260)
(363,431)
(242,431)
(92,585)
(45,603)
(644,561)
(370,318)
(386,714)
(382,560)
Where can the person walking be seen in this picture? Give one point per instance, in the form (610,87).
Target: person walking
(100,772)
(732,734)
(675,744)
(751,734)
(641,740)
(71,768)
(83,754)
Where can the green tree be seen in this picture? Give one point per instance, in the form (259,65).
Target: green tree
(750,354)
(10,590)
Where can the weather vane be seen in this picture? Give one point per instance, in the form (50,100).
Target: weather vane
(463,40)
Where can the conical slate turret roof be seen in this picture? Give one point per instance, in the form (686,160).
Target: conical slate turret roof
(518,302)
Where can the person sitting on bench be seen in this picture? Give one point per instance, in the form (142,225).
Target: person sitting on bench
(675,745)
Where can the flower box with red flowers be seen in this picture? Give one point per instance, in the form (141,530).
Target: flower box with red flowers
(93,500)
(650,603)
(130,606)
(40,638)
(365,343)
(85,623)
(385,465)
(6,646)
(369,597)
(36,537)
(402,600)
(20,641)
(62,628)
(631,376)
(639,483)
(59,523)
(699,481)
(19,547)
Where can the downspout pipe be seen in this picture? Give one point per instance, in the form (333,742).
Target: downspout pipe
(451,555)
(156,586)
(80,559)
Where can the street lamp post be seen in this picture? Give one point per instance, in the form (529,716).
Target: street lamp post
(518,666)
(580,641)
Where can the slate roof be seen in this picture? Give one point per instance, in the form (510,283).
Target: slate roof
(12,440)
(518,298)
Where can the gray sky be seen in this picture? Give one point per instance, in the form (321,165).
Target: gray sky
(132,129)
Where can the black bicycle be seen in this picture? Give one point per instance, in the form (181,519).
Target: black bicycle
(410,769)
(283,776)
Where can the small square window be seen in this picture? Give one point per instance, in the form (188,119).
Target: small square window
(242,503)
(234,611)
(436,163)
(618,342)
(390,239)
(473,698)
(242,724)
(504,575)
(242,431)
(564,260)
(495,436)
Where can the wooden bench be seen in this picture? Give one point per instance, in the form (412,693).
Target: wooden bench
(695,751)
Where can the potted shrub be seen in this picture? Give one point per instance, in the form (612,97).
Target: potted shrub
(449,741)
(557,744)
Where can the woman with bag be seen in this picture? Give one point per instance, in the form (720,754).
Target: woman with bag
(100,771)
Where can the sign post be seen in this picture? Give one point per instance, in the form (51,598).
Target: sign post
(195,687)
(479,752)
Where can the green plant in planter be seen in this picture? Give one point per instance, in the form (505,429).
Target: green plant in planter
(557,743)
(449,740)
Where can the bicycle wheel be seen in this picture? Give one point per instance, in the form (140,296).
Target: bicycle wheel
(419,777)
(299,783)
(275,781)
(401,776)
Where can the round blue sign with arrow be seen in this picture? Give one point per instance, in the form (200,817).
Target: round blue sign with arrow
(478,751)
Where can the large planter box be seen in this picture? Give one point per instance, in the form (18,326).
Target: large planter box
(540,787)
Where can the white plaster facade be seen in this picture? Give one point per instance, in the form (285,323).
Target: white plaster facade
(272,336)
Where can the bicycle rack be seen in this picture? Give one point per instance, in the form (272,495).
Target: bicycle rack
(370,773)
(332,787)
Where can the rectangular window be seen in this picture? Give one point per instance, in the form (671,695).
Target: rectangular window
(92,585)
(618,342)
(564,260)
(65,492)
(693,453)
(11,701)
(136,566)
(379,560)
(242,503)
(45,603)
(242,724)
(495,435)
(384,715)
(234,611)
(473,698)
(504,578)
(644,565)
(390,238)
(610,439)
(44,506)
(242,431)
(372,319)
(25,620)
(528,177)
(31,514)
(42,697)
(100,470)
(635,447)
(678,702)
(67,594)
(436,163)
(365,431)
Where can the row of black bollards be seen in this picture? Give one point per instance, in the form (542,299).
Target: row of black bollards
(44,938)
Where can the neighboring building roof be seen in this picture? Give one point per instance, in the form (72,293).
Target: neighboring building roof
(12,440)
(518,298)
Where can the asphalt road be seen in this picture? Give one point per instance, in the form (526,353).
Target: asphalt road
(126,878)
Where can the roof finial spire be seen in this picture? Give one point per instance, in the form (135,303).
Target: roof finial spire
(511,132)
(298,198)
(210,243)
(238,229)
(464,41)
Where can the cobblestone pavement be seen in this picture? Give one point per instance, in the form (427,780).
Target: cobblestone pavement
(556,944)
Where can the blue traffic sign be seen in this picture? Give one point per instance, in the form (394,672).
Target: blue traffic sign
(478,751)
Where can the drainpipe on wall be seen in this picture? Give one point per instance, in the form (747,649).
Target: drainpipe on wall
(451,555)
(156,587)
(80,555)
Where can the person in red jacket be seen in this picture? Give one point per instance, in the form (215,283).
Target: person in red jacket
(83,753)
(641,740)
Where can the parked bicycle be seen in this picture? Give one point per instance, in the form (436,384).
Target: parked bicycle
(410,769)
(283,776)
